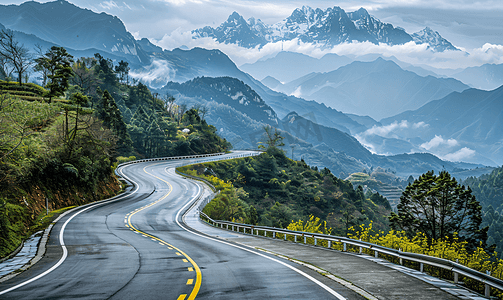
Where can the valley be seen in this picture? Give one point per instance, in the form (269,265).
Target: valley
(344,133)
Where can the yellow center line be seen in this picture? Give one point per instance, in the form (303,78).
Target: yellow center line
(190,281)
(197,285)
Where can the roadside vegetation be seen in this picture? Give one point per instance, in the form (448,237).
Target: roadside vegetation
(62,141)
(273,190)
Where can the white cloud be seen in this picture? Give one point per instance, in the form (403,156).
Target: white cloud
(393,129)
(157,74)
(461,154)
(438,141)
(419,125)
(108,5)
(184,2)
(298,92)
(386,130)
(416,54)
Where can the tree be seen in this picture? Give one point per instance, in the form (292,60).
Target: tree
(14,55)
(440,208)
(112,118)
(56,63)
(84,75)
(273,138)
(169,102)
(123,71)
(105,70)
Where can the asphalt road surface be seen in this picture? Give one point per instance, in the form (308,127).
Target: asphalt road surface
(136,246)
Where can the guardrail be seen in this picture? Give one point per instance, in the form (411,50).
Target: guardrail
(256,152)
(329,240)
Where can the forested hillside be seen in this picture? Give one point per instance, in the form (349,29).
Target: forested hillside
(488,189)
(61,142)
(274,190)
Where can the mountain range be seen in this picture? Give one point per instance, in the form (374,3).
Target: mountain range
(378,89)
(239,122)
(65,24)
(467,122)
(326,28)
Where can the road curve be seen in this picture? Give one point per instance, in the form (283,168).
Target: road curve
(136,246)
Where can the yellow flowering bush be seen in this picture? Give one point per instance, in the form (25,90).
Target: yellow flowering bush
(451,249)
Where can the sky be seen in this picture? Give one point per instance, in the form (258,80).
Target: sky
(472,26)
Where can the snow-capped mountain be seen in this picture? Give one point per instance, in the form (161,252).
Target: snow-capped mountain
(433,39)
(326,28)
(236,30)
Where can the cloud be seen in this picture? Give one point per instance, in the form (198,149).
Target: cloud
(108,5)
(438,141)
(184,2)
(416,54)
(298,92)
(393,129)
(386,130)
(461,154)
(157,74)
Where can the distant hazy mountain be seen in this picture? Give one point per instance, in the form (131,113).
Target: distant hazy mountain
(287,66)
(229,91)
(326,28)
(470,121)
(378,89)
(271,82)
(318,134)
(183,65)
(319,145)
(67,25)
(485,77)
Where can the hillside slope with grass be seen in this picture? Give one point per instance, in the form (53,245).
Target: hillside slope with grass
(45,152)
(274,190)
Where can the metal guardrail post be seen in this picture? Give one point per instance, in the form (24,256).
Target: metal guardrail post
(330,244)
(376,254)
(421,267)
(295,238)
(315,241)
(487,290)
(344,247)
(401,261)
(273,234)
(284,236)
(456,279)
(305,239)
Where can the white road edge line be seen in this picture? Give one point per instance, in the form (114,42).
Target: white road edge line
(322,285)
(62,242)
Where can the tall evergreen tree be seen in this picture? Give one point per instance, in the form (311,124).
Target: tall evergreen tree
(57,65)
(440,208)
(112,118)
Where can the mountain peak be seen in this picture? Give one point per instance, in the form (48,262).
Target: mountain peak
(434,40)
(325,28)
(234,16)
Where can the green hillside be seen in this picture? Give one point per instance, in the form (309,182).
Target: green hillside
(488,189)
(64,148)
(274,190)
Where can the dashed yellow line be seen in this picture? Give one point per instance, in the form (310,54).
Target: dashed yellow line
(179,252)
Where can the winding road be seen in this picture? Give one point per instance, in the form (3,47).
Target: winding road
(138,246)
